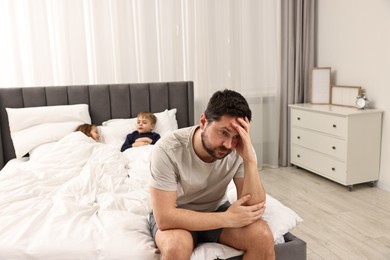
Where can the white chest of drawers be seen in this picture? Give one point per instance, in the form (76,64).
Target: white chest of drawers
(340,143)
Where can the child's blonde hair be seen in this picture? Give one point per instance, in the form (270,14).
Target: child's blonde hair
(148,115)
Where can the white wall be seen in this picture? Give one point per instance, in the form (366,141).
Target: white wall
(354,39)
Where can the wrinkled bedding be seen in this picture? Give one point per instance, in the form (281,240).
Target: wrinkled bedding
(76,202)
(80,199)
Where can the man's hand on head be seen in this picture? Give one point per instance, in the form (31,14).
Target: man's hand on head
(244,146)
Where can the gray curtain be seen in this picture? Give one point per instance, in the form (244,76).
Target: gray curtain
(297,54)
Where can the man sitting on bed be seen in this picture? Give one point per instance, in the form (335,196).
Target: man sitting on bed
(191,169)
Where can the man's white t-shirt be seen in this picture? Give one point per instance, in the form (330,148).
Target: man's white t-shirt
(199,185)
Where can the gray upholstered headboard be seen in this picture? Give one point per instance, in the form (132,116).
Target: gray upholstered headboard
(105,102)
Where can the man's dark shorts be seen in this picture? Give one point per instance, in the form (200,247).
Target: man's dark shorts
(197,236)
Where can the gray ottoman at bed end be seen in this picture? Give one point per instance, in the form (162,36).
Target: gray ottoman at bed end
(294,248)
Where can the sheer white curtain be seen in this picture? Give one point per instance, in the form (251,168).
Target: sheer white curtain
(217,44)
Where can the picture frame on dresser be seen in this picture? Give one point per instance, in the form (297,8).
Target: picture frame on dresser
(345,95)
(320,85)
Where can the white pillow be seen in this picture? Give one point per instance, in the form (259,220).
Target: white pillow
(165,122)
(114,131)
(280,218)
(172,118)
(119,121)
(33,126)
(115,135)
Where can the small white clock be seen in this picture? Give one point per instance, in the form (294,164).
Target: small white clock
(361,102)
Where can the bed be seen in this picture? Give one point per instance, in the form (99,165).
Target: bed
(64,196)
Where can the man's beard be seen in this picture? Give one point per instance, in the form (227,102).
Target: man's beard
(211,151)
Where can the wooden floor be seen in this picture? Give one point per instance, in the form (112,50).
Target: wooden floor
(338,224)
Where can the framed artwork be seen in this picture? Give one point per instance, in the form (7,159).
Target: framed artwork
(345,95)
(320,85)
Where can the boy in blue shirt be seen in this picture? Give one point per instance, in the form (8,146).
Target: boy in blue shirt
(144,134)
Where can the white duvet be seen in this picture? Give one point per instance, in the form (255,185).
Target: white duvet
(76,202)
(83,200)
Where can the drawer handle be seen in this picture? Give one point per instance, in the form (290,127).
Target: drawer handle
(298,137)
(333,168)
(334,147)
(334,126)
(299,156)
(298,118)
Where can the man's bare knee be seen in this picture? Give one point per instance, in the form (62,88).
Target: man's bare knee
(261,233)
(174,244)
(262,242)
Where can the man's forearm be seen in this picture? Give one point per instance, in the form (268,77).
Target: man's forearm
(192,220)
(252,184)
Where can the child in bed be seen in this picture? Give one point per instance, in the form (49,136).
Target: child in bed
(144,134)
(89,130)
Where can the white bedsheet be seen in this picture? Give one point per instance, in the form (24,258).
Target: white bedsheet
(84,200)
